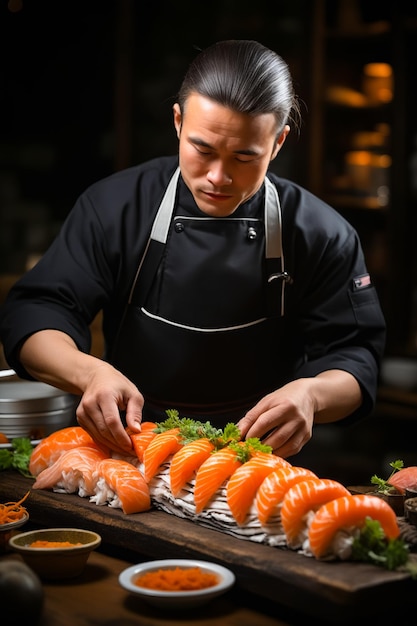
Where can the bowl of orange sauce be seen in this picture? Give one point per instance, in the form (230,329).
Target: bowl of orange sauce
(177,583)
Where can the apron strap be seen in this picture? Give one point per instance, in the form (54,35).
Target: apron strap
(273,247)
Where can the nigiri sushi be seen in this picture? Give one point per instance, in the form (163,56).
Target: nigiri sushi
(141,440)
(271,492)
(72,472)
(186,462)
(300,504)
(244,482)
(336,523)
(159,450)
(51,447)
(119,484)
(212,473)
(404,478)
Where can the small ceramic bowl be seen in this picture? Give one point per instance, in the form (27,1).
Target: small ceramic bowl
(56,562)
(177,599)
(7,531)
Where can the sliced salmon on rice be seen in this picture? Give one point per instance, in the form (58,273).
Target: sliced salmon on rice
(345,513)
(243,484)
(301,502)
(211,475)
(51,447)
(141,440)
(119,484)
(273,488)
(404,479)
(72,472)
(159,450)
(185,463)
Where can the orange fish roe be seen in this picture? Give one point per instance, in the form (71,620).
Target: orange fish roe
(40,543)
(177,579)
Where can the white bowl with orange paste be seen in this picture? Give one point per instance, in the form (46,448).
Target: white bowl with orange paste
(177,583)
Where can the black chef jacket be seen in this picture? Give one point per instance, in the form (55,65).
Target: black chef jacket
(332,318)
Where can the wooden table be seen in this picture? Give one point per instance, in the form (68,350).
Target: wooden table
(271,583)
(96,599)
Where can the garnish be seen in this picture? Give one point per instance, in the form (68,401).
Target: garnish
(372,546)
(18,456)
(13,511)
(383,486)
(191,429)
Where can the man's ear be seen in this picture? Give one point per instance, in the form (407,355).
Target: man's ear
(280,141)
(177,118)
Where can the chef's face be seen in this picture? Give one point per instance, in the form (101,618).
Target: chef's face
(224,155)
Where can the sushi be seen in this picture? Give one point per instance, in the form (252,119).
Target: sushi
(300,504)
(119,484)
(141,440)
(336,523)
(405,478)
(72,472)
(162,447)
(51,447)
(186,462)
(273,488)
(244,482)
(212,474)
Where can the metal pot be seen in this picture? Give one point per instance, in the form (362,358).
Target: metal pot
(33,409)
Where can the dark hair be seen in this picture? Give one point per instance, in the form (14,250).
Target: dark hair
(244,76)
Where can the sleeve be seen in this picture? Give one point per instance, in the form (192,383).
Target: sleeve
(340,320)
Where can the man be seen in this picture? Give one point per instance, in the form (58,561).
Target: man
(227,292)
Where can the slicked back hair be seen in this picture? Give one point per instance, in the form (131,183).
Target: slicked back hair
(244,76)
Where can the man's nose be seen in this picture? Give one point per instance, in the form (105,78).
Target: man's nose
(218,174)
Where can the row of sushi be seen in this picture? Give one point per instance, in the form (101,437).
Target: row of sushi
(318,516)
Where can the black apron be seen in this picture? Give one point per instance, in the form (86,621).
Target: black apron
(202,331)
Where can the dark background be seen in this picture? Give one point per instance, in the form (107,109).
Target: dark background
(87,88)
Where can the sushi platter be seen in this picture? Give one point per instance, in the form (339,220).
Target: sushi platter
(330,590)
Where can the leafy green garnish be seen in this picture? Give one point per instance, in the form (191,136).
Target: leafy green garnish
(372,546)
(18,456)
(191,430)
(383,486)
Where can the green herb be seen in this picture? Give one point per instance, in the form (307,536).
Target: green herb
(372,546)
(383,486)
(230,436)
(18,456)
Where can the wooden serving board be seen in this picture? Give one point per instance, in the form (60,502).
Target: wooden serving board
(332,590)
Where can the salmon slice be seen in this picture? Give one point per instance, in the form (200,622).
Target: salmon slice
(121,485)
(211,475)
(274,487)
(160,448)
(186,462)
(51,447)
(141,440)
(72,472)
(301,502)
(244,482)
(347,512)
(405,478)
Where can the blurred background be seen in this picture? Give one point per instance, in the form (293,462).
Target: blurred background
(87,88)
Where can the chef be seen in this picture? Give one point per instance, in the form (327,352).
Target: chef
(228,293)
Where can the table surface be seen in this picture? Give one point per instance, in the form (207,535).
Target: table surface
(273,586)
(95,598)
